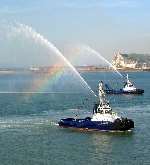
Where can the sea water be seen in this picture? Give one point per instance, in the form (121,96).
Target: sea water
(29,133)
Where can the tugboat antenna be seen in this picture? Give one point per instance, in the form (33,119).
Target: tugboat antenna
(127,77)
(101,93)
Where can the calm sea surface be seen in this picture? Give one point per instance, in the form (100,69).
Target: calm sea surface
(29,134)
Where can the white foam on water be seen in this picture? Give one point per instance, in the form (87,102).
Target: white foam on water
(25,122)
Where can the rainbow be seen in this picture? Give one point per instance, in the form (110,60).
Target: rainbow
(51,76)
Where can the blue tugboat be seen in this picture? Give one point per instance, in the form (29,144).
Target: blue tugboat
(103,119)
(128,88)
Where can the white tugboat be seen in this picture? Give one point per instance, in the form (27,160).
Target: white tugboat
(103,119)
(128,88)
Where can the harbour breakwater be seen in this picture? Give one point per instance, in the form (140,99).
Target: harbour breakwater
(78,68)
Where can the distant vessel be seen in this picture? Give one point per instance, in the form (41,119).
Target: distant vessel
(128,88)
(34,68)
(103,119)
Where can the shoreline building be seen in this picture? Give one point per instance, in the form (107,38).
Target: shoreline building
(131,61)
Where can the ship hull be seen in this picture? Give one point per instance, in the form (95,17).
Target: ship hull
(123,124)
(112,91)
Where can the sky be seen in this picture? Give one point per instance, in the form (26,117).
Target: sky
(107,26)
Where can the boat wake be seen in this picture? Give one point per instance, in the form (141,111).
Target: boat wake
(25,122)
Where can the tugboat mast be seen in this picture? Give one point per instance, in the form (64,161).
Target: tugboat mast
(128,82)
(102,98)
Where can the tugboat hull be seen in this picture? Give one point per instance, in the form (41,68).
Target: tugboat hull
(122,124)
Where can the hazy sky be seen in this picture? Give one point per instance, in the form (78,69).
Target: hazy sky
(105,25)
